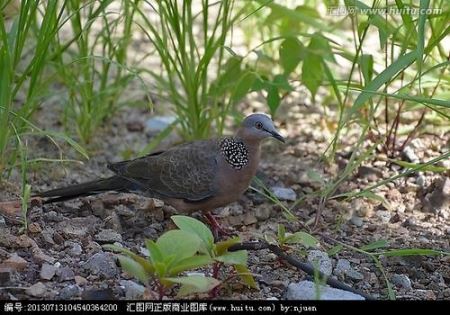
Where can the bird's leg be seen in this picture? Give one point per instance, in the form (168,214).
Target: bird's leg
(217,229)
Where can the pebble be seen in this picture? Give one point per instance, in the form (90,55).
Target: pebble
(135,126)
(80,280)
(102,264)
(37,290)
(16,262)
(263,212)
(284,193)
(384,216)
(47,271)
(6,274)
(321,260)
(69,292)
(402,281)
(34,228)
(75,249)
(108,236)
(306,290)
(65,274)
(410,155)
(158,123)
(2,222)
(343,268)
(133,290)
(357,221)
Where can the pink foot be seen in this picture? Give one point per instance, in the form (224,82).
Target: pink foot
(216,227)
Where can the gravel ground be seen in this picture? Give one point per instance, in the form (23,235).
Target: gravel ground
(61,254)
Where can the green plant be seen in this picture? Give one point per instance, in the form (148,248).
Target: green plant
(201,76)
(25,37)
(190,247)
(95,71)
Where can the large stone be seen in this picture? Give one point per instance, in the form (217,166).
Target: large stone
(306,290)
(108,236)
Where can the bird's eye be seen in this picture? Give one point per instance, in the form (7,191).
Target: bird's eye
(258,125)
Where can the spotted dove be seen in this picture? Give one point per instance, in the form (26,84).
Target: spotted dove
(195,176)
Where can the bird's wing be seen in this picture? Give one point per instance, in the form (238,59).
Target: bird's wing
(186,171)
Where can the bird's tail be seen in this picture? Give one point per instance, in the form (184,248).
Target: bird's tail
(115,183)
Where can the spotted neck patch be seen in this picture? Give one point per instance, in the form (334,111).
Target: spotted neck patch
(235,152)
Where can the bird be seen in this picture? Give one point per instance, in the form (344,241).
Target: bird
(201,175)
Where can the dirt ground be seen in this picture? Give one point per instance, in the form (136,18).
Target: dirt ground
(61,255)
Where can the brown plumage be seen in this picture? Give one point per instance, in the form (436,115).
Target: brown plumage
(200,175)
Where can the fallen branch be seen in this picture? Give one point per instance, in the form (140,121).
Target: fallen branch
(308,268)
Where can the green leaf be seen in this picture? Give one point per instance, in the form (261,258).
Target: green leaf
(334,250)
(367,67)
(375,245)
(191,225)
(222,247)
(291,50)
(281,233)
(133,268)
(234,258)
(178,243)
(273,99)
(421,167)
(303,238)
(155,254)
(386,75)
(246,276)
(412,252)
(243,86)
(194,284)
(190,263)
(281,81)
(141,260)
(312,68)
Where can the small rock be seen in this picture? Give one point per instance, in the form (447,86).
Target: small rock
(75,249)
(34,228)
(98,208)
(2,222)
(321,260)
(5,276)
(249,218)
(342,267)
(402,281)
(40,257)
(384,216)
(47,271)
(421,181)
(410,155)
(357,221)
(135,126)
(65,274)
(306,290)
(361,208)
(133,290)
(394,195)
(108,236)
(262,212)
(16,262)
(24,241)
(80,280)
(69,292)
(355,275)
(36,290)
(102,264)
(158,123)
(284,193)
(57,238)
(371,173)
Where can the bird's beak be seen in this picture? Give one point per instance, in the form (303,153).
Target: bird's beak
(277,136)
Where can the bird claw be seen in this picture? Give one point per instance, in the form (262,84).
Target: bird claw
(217,229)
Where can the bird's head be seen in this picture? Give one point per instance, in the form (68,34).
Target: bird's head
(257,127)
